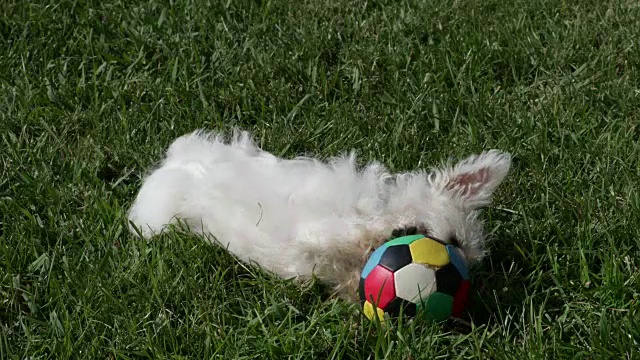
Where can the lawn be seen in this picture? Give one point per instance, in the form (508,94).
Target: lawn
(92,92)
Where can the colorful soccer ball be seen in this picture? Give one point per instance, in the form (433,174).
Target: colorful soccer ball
(412,274)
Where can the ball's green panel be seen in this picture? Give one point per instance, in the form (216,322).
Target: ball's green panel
(404,240)
(437,307)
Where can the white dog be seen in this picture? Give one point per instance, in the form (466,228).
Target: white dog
(303,217)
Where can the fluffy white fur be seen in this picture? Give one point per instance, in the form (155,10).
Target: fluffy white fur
(304,217)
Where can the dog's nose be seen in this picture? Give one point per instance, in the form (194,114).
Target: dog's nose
(454,241)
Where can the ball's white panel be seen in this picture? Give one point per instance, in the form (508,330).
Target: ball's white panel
(415,282)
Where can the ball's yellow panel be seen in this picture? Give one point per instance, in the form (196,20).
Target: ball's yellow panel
(369,311)
(430,252)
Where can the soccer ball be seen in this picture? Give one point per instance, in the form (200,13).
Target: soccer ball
(412,274)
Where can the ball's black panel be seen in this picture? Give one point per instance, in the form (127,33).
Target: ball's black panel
(361,291)
(448,279)
(396,257)
(396,305)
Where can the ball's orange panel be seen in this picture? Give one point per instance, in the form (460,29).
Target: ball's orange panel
(430,252)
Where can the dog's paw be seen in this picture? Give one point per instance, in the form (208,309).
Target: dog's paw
(409,230)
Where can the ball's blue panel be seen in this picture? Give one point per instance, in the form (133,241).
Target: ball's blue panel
(457,261)
(396,257)
(374,259)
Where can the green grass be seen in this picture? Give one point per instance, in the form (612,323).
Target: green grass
(91,93)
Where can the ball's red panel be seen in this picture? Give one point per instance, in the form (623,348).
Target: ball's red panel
(460,300)
(379,287)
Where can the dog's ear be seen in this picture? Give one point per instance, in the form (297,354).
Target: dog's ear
(474,179)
